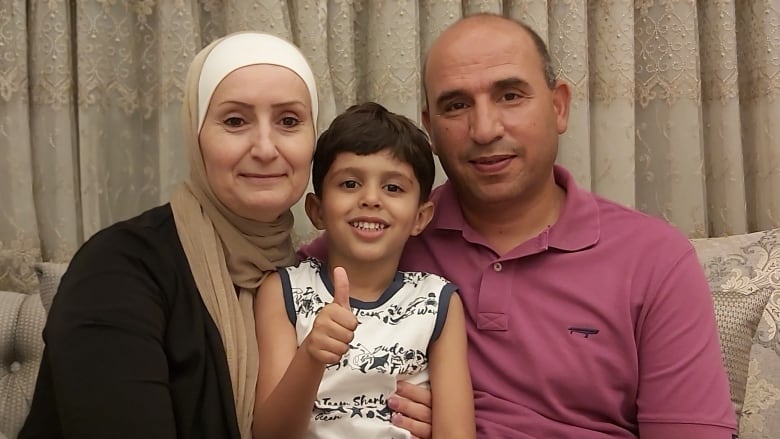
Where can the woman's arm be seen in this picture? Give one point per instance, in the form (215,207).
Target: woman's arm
(289,376)
(453,397)
(104,357)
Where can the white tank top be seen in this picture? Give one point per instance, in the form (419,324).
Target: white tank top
(390,344)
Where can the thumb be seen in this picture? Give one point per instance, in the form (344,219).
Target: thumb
(341,287)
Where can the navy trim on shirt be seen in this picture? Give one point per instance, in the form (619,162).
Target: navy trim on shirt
(441,314)
(289,304)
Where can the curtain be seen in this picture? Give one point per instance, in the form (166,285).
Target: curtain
(672,108)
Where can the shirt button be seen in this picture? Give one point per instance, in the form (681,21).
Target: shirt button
(497,266)
(15,367)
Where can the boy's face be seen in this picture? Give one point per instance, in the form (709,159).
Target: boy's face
(370,206)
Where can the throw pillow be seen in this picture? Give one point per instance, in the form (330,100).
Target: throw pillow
(49,274)
(761,412)
(742,271)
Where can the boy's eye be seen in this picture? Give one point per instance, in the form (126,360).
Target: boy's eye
(290,121)
(234,122)
(349,184)
(393,188)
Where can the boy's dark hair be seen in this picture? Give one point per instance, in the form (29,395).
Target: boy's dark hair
(369,128)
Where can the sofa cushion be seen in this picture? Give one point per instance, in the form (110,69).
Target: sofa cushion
(49,274)
(21,322)
(761,412)
(742,271)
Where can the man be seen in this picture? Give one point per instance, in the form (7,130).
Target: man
(585,319)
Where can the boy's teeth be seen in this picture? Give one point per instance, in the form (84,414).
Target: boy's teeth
(368,226)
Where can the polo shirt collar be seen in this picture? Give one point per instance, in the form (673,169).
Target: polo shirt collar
(577,228)
(579,225)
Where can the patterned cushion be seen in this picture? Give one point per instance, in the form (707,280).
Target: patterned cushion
(21,346)
(49,274)
(743,271)
(761,412)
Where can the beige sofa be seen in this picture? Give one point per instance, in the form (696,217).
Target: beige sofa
(743,272)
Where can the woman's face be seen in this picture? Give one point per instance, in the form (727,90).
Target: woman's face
(257,141)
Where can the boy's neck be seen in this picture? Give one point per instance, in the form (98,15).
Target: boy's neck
(367,280)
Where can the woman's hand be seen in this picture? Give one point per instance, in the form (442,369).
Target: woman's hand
(411,405)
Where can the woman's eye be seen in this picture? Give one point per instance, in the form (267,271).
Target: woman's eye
(290,121)
(234,122)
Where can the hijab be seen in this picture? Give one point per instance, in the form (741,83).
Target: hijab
(229,255)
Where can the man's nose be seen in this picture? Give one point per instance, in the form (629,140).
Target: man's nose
(485,125)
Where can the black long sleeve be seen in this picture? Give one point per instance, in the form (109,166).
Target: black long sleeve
(131,351)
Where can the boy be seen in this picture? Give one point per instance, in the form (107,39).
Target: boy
(332,349)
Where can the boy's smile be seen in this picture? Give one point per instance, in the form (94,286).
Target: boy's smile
(370,206)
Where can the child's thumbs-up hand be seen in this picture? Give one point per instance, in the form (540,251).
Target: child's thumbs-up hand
(341,288)
(334,326)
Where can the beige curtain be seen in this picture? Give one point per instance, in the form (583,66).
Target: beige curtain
(674,111)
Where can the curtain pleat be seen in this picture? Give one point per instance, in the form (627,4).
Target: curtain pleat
(674,103)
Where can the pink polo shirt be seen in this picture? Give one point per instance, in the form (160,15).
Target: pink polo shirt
(601,324)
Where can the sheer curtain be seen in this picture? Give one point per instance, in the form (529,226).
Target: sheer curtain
(674,110)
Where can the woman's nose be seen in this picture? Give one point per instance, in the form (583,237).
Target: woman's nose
(263,145)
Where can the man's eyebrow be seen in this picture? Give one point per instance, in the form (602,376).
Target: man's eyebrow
(448,95)
(513,82)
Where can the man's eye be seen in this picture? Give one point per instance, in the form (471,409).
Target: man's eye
(455,106)
(510,96)
(234,122)
(290,121)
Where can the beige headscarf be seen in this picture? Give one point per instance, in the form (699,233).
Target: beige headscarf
(229,255)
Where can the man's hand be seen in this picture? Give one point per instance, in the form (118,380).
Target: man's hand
(412,409)
(334,326)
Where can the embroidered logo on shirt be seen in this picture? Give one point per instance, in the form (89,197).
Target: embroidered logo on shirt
(586,332)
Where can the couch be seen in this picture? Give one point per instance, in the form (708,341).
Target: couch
(743,272)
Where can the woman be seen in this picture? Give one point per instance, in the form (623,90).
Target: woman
(151,334)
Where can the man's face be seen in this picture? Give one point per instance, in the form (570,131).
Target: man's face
(493,120)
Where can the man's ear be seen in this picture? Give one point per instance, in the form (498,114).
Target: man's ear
(426,121)
(313,207)
(561,96)
(424,216)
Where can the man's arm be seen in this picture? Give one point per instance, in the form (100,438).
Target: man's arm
(453,397)
(683,387)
